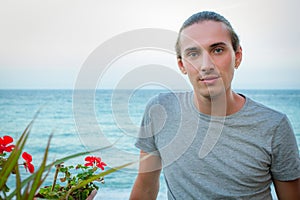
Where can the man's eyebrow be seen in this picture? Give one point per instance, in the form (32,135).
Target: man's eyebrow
(199,49)
(218,44)
(192,49)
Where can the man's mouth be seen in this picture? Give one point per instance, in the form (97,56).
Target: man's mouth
(208,78)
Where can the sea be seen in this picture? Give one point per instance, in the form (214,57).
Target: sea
(82,121)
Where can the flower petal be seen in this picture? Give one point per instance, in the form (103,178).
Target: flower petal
(88,164)
(101,165)
(9,148)
(7,139)
(30,167)
(89,158)
(97,159)
(27,157)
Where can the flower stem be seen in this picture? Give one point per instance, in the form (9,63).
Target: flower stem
(58,166)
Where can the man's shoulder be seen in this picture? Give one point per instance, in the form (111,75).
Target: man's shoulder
(263,109)
(170,101)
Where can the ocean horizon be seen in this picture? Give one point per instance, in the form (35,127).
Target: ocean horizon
(76,117)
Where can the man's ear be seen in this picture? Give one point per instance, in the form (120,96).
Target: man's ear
(181,66)
(238,57)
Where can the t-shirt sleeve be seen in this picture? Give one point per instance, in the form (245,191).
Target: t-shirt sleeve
(146,140)
(285,154)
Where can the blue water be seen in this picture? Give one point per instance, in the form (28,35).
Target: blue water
(87,120)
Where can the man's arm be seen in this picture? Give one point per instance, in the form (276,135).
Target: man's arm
(287,190)
(146,185)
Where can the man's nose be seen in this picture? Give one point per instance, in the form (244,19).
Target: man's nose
(207,63)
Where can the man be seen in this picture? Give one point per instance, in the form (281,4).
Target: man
(213,143)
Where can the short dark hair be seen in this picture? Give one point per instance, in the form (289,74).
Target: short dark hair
(207,16)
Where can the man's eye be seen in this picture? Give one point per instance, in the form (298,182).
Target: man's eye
(218,50)
(193,54)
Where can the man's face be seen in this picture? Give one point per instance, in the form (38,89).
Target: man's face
(208,57)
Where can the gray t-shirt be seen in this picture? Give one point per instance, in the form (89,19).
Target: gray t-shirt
(205,157)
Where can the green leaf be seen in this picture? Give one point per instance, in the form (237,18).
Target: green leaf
(28,179)
(37,180)
(95,177)
(12,160)
(18,182)
(34,181)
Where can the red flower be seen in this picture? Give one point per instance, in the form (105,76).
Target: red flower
(94,161)
(27,164)
(4,141)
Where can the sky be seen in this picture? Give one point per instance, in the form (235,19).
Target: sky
(48,44)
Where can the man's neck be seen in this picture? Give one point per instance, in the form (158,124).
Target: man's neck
(224,104)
